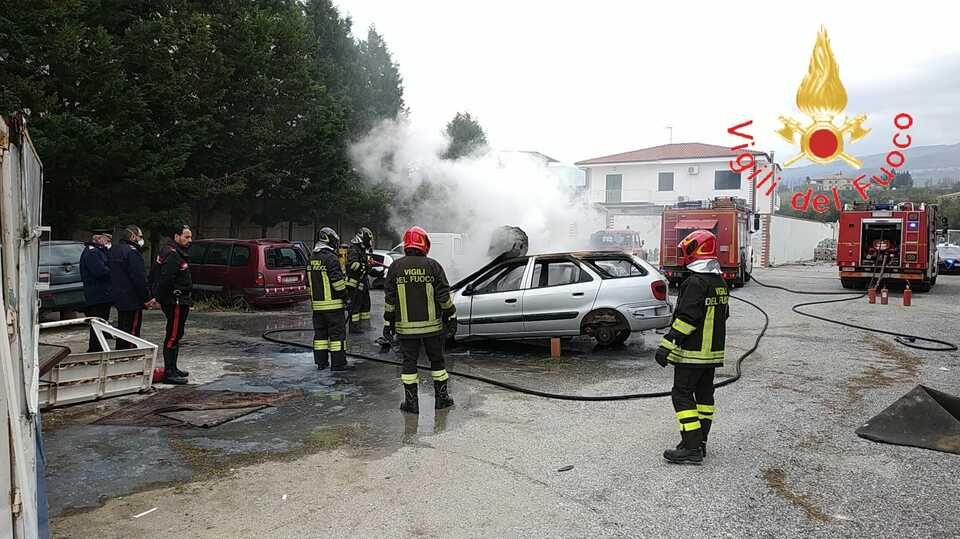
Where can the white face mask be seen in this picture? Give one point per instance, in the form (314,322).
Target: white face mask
(140,242)
(108,245)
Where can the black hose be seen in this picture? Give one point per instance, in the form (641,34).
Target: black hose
(902,338)
(535,392)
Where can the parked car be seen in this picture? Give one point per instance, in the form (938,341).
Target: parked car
(949,257)
(379,272)
(60,269)
(606,295)
(257,272)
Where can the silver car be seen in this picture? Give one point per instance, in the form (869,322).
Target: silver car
(606,295)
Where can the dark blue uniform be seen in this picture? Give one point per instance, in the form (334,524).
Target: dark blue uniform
(128,276)
(95,273)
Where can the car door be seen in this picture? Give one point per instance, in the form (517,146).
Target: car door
(561,292)
(495,301)
(215,267)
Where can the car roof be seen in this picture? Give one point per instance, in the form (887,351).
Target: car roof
(574,254)
(261,241)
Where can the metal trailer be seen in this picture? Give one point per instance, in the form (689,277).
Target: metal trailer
(905,234)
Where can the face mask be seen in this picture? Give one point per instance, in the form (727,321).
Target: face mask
(108,245)
(140,242)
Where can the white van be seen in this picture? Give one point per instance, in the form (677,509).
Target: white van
(447,249)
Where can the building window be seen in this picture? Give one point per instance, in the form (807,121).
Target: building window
(614,188)
(725,180)
(665,181)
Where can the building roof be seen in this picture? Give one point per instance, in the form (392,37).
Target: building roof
(682,150)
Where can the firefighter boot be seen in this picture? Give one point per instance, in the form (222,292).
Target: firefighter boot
(411,403)
(321,358)
(338,362)
(688,452)
(441,395)
(705,429)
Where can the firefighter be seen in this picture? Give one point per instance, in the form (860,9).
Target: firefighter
(695,345)
(327,291)
(358,266)
(418,309)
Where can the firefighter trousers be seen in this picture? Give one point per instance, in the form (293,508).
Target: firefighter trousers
(360,304)
(329,334)
(410,350)
(176,319)
(693,402)
(129,322)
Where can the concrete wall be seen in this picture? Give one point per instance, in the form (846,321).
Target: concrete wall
(794,240)
(640,183)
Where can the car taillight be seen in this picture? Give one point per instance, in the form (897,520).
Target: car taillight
(44,277)
(261,281)
(659,290)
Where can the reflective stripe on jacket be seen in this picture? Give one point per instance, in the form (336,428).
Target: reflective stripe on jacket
(697,337)
(417,297)
(327,284)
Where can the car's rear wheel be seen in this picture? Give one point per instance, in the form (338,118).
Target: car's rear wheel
(607,327)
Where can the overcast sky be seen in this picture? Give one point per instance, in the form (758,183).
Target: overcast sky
(577,80)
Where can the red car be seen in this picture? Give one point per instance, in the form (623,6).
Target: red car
(259,272)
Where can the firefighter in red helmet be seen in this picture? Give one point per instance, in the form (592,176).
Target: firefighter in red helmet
(418,309)
(695,345)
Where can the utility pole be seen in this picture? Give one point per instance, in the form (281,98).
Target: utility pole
(670,127)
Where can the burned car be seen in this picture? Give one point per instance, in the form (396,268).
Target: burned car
(606,295)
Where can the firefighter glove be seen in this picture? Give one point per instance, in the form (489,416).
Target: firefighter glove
(661,356)
(451,325)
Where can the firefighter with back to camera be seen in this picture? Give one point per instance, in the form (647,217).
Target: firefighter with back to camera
(695,345)
(328,288)
(418,309)
(358,267)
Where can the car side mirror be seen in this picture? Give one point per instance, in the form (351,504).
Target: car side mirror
(468,290)
(756,222)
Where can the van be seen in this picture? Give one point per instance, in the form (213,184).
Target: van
(256,272)
(446,248)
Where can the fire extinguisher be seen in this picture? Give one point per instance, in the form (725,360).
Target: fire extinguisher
(907,296)
(884,295)
(872,294)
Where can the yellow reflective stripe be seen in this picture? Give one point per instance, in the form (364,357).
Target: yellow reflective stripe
(680,353)
(686,414)
(352,283)
(447,305)
(355,266)
(423,324)
(326,285)
(321,345)
(365,316)
(439,376)
(683,327)
(386,323)
(402,299)
(336,346)
(695,425)
(409,378)
(355,317)
(328,305)
(431,305)
(418,330)
(340,285)
(707,345)
(310,283)
(667,344)
(387,307)
(705,408)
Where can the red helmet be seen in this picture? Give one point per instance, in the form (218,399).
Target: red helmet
(698,245)
(416,238)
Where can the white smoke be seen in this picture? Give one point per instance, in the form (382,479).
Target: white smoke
(475,195)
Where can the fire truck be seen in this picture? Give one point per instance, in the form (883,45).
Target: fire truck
(901,238)
(729,220)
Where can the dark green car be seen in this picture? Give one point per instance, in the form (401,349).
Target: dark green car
(60,269)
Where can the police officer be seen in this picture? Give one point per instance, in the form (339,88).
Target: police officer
(173,287)
(128,279)
(328,287)
(95,273)
(418,309)
(695,345)
(358,267)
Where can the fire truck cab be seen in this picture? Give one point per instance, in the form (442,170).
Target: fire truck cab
(899,238)
(727,218)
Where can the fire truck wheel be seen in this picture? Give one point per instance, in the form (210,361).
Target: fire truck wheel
(923,286)
(851,283)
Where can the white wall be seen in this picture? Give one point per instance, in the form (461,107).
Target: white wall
(794,240)
(640,182)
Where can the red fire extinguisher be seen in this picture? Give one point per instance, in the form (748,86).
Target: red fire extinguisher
(872,294)
(884,295)
(158,375)
(907,296)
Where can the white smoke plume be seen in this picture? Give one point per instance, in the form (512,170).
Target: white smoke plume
(474,195)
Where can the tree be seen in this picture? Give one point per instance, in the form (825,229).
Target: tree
(466,136)
(901,180)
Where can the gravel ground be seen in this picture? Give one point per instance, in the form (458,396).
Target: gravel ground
(784,460)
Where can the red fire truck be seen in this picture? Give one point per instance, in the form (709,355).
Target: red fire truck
(903,234)
(728,218)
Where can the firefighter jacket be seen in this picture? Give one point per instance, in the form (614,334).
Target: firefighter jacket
(697,337)
(358,265)
(417,298)
(327,284)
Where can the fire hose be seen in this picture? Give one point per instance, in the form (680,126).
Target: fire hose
(536,392)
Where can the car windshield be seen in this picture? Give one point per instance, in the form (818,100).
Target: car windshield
(59,254)
(284,257)
(949,251)
(616,267)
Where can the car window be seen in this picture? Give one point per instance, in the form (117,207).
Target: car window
(198,251)
(60,254)
(503,279)
(240,256)
(285,257)
(614,268)
(557,273)
(217,254)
